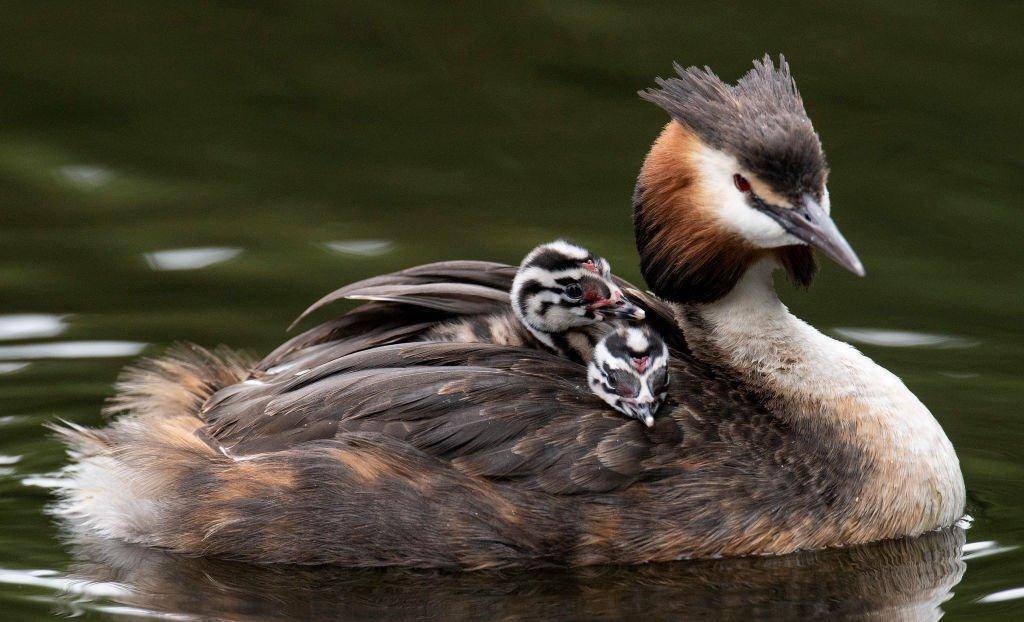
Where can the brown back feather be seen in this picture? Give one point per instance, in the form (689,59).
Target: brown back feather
(178,382)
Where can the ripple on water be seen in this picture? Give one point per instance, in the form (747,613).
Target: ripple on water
(998,597)
(55,581)
(31,326)
(361,248)
(901,338)
(974,550)
(86,176)
(71,350)
(190,258)
(63,587)
(960,375)
(138,612)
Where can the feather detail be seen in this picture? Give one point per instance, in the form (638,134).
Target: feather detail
(481,273)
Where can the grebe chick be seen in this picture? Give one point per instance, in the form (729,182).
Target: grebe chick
(560,294)
(629,371)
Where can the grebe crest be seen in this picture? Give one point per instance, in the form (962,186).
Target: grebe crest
(736,176)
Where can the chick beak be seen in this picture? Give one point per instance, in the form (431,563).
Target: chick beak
(809,222)
(620,308)
(645,413)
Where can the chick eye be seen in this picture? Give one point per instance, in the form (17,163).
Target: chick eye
(624,384)
(741,183)
(574,291)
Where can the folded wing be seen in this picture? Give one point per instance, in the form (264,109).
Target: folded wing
(491,411)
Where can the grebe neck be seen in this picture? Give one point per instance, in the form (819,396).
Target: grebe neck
(823,386)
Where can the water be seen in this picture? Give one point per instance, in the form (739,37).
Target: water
(202,172)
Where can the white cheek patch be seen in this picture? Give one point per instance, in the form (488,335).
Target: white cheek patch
(596,381)
(602,354)
(595,378)
(554,318)
(729,206)
(537,301)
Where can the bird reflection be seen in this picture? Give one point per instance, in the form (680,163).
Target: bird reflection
(902,579)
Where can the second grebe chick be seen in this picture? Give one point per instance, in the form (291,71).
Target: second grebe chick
(560,294)
(629,371)
(561,286)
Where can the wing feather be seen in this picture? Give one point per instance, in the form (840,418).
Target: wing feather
(492,411)
(484,274)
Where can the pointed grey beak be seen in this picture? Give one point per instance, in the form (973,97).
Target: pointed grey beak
(644,412)
(810,223)
(624,310)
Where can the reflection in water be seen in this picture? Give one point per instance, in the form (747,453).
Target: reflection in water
(31,326)
(190,258)
(998,597)
(10,368)
(72,350)
(904,579)
(86,176)
(902,338)
(6,466)
(361,248)
(51,579)
(974,550)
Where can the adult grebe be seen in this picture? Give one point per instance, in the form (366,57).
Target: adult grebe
(351,444)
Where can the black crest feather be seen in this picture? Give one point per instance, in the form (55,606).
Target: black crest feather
(760,120)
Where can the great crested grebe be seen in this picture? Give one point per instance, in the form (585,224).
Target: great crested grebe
(629,371)
(560,295)
(358,443)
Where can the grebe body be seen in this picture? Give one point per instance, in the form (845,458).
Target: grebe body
(360,443)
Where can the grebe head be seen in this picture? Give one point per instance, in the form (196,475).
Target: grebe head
(629,371)
(560,286)
(737,175)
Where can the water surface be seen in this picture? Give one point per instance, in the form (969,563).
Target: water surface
(201,172)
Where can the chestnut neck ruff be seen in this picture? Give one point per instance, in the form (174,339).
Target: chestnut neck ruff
(685,255)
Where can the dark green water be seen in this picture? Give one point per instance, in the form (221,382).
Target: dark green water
(309,146)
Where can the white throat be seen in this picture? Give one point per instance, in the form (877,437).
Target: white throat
(809,375)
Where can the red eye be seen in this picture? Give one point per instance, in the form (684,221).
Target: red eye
(741,183)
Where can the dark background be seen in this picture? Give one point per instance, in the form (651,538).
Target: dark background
(316,143)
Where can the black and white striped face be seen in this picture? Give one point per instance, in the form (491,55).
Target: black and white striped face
(561,286)
(629,371)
